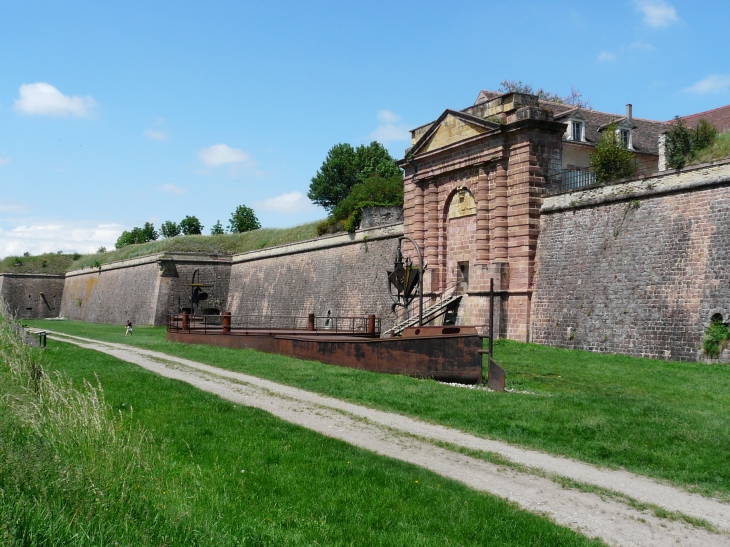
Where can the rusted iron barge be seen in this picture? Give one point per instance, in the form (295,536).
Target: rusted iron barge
(448,353)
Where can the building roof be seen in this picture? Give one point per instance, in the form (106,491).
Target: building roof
(719,117)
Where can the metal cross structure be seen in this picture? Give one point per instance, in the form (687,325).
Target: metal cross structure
(404,278)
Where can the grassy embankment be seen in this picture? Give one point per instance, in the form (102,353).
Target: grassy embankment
(222,244)
(667,420)
(152,461)
(720,149)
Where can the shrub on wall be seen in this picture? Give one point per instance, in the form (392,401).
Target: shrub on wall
(684,144)
(611,160)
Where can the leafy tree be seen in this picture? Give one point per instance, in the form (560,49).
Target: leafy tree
(346,166)
(125,239)
(575,98)
(683,143)
(101,250)
(243,219)
(190,226)
(611,160)
(375,191)
(148,233)
(217,229)
(170,229)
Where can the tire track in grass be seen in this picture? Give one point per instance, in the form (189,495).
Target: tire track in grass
(612,520)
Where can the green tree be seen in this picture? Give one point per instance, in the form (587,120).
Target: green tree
(678,144)
(170,229)
(346,166)
(611,160)
(243,219)
(190,226)
(148,232)
(125,239)
(217,229)
(375,191)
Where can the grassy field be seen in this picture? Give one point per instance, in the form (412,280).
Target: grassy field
(667,420)
(153,461)
(53,263)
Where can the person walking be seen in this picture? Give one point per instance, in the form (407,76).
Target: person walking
(129,328)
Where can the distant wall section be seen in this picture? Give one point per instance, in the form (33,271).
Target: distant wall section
(32,296)
(143,290)
(339,275)
(638,267)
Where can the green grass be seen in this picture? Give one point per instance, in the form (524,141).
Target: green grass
(667,420)
(209,472)
(48,263)
(720,149)
(220,244)
(227,244)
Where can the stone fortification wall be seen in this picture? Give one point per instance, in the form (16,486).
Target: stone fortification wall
(637,267)
(340,275)
(143,290)
(32,296)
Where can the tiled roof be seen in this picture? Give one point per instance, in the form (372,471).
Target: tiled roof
(644,135)
(719,117)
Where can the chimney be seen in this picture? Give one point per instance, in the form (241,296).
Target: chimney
(629,112)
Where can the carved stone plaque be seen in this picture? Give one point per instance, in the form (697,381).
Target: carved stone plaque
(462,204)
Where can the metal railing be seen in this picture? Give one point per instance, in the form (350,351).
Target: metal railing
(567,180)
(215,324)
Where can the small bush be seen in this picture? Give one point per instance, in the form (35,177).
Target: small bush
(683,144)
(611,159)
(374,191)
(716,337)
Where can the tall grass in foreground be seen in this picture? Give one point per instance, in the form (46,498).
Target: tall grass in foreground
(720,149)
(72,472)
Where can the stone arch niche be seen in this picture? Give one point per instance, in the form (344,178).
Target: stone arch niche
(460,223)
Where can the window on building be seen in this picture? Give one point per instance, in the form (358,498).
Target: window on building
(577,131)
(626,137)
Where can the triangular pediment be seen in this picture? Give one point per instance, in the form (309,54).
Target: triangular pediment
(450,128)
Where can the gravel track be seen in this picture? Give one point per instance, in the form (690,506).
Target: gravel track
(608,518)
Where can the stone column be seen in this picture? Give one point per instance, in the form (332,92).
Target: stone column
(498,207)
(431,238)
(482,215)
(418,215)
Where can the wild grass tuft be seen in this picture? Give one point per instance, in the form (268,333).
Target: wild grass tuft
(720,149)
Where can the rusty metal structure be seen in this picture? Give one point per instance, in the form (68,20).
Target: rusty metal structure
(446,353)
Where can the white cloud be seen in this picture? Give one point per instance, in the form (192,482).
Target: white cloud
(170,188)
(389,129)
(3,161)
(45,100)
(82,237)
(641,46)
(221,154)
(14,206)
(657,13)
(293,202)
(156,134)
(714,83)
(606,57)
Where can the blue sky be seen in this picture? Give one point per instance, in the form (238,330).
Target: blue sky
(114,114)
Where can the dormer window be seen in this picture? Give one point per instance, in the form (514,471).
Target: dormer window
(576,131)
(626,137)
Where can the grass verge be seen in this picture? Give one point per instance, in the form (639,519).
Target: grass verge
(666,420)
(187,468)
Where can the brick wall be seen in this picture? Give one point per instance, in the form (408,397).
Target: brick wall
(32,296)
(638,267)
(142,290)
(343,275)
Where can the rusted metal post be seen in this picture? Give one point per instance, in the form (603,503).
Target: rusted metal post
(226,322)
(185,321)
(310,322)
(371,323)
(491,316)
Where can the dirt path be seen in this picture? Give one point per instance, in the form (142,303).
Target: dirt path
(614,520)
